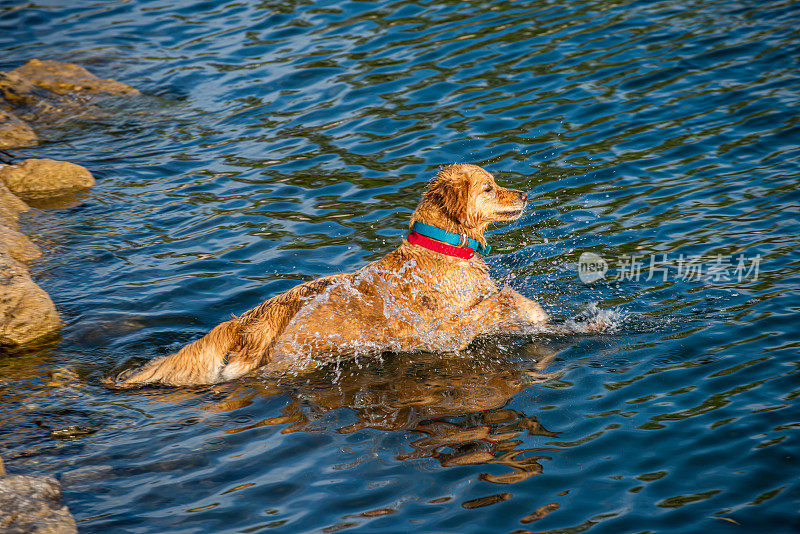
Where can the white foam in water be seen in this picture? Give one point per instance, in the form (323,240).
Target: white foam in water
(594,320)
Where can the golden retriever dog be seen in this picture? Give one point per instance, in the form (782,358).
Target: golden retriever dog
(425,295)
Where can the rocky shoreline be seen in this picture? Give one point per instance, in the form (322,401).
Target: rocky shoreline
(31,95)
(33,504)
(26,311)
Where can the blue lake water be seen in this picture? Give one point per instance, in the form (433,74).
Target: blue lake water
(276,142)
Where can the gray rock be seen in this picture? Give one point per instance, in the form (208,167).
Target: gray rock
(33,504)
(44,176)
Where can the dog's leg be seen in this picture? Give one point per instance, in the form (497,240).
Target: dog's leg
(527,310)
(505,312)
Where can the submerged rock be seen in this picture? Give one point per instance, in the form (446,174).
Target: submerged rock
(64,78)
(21,97)
(37,176)
(14,132)
(33,504)
(41,91)
(26,311)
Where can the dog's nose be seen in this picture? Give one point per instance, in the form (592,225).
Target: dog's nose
(523,195)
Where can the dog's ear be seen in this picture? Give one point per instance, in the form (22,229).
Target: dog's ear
(450,191)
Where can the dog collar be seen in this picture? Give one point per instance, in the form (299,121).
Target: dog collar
(449,243)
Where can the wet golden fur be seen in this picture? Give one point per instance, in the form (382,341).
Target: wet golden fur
(411,299)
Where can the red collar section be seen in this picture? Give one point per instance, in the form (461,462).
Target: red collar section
(464,253)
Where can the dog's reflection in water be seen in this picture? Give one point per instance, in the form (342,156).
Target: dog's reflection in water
(456,403)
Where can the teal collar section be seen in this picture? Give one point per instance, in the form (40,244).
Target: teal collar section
(457,240)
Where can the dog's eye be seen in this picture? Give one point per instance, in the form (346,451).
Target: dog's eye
(489,188)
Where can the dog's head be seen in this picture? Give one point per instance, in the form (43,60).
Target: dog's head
(466,197)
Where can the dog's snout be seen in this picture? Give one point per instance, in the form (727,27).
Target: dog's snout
(523,195)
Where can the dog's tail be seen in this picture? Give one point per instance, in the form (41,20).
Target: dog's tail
(230,350)
(201,362)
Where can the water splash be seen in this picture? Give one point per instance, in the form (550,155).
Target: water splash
(594,320)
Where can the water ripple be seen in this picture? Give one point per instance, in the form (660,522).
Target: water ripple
(277,142)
